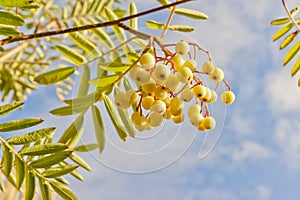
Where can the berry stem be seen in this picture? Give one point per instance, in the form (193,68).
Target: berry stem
(227,84)
(207,114)
(163,35)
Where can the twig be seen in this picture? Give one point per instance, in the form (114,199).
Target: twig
(163,35)
(22,37)
(290,16)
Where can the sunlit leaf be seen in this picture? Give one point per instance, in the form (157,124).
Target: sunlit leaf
(32,136)
(133,23)
(181,28)
(19,124)
(281,21)
(115,118)
(291,53)
(50,160)
(194,14)
(69,110)
(83,43)
(62,180)
(98,128)
(73,133)
(54,76)
(7,160)
(43,149)
(105,80)
(84,81)
(20,172)
(44,189)
(74,56)
(30,185)
(8,108)
(63,190)
(155,25)
(11,18)
(111,16)
(59,171)
(78,160)
(282,31)
(290,38)
(8,30)
(103,37)
(296,67)
(86,147)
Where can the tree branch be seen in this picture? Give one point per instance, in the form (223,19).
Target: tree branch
(290,16)
(22,37)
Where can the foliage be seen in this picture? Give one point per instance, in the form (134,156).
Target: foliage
(289,31)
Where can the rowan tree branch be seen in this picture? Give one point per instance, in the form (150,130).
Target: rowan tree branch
(23,37)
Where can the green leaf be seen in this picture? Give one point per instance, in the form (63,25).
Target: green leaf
(74,56)
(86,147)
(11,18)
(54,76)
(155,25)
(282,31)
(8,108)
(291,53)
(83,43)
(281,21)
(32,136)
(296,67)
(69,110)
(133,23)
(44,189)
(30,185)
(194,14)
(43,149)
(85,100)
(50,160)
(126,119)
(181,28)
(8,30)
(62,180)
(63,191)
(20,172)
(19,124)
(111,16)
(84,81)
(163,2)
(98,128)
(77,159)
(105,80)
(59,171)
(73,133)
(14,3)
(7,160)
(115,118)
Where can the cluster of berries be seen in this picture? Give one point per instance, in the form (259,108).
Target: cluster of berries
(165,84)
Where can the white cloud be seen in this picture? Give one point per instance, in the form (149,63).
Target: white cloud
(263,192)
(251,151)
(281,92)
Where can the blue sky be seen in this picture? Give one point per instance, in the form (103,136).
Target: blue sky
(258,153)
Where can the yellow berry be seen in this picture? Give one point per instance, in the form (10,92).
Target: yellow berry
(158,106)
(161,72)
(195,119)
(199,91)
(194,109)
(217,75)
(140,120)
(178,118)
(207,95)
(155,119)
(141,76)
(147,102)
(134,116)
(121,101)
(191,64)
(173,83)
(147,61)
(209,123)
(182,48)
(213,98)
(228,97)
(132,96)
(178,62)
(208,67)
(160,92)
(149,87)
(186,73)
(187,94)
(167,114)
(200,126)
(176,105)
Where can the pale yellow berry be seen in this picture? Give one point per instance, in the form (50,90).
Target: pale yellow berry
(187,94)
(178,118)
(207,95)
(194,109)
(182,48)
(209,123)
(213,98)
(200,126)
(167,101)
(121,101)
(172,83)
(135,115)
(195,119)
(131,96)
(161,72)
(178,62)
(148,88)
(147,102)
(176,105)
(147,61)
(158,106)
(199,91)
(186,73)
(140,120)
(161,92)
(191,64)
(217,75)
(141,76)
(155,119)
(167,114)
(208,67)
(228,97)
